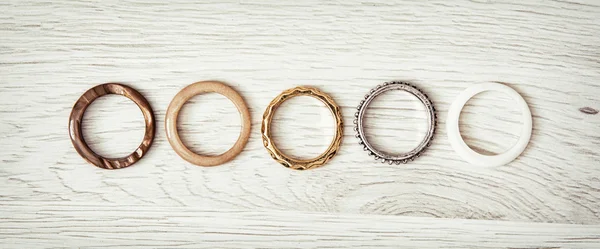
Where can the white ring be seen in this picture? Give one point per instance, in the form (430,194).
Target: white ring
(459,145)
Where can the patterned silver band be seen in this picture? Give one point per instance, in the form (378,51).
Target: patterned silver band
(360,115)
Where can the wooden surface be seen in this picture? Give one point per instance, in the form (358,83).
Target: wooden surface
(52,52)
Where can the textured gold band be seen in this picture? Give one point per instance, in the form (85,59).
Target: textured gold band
(293,162)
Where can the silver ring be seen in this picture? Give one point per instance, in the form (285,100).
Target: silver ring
(360,115)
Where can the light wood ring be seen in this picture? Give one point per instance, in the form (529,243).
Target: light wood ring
(77,116)
(295,163)
(173,112)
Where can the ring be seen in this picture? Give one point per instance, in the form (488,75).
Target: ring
(173,112)
(77,116)
(295,163)
(360,115)
(459,145)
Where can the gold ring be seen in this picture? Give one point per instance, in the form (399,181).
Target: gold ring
(295,163)
(173,112)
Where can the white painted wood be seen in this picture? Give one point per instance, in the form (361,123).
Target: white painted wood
(51,52)
(126,226)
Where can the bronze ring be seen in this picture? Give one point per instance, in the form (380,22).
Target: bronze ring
(77,116)
(173,112)
(295,163)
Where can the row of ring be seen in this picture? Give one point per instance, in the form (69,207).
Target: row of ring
(188,92)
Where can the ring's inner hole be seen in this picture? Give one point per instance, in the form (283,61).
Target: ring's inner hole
(303,127)
(490,123)
(113,126)
(209,124)
(395,122)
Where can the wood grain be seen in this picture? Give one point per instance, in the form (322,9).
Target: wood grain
(549,51)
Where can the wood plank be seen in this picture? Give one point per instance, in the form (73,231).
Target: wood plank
(123,226)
